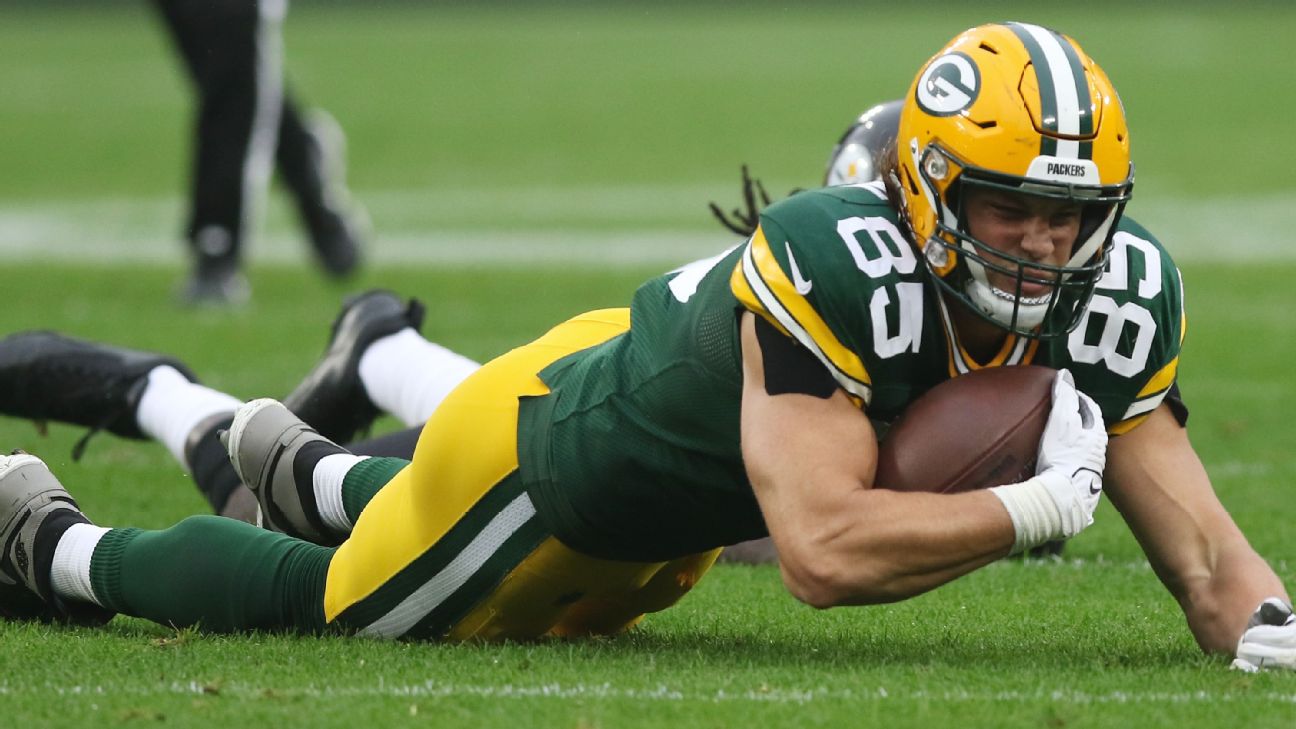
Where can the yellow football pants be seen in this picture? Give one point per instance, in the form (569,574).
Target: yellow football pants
(451,546)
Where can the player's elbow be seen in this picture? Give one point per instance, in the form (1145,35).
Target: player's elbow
(814,586)
(830,581)
(807,583)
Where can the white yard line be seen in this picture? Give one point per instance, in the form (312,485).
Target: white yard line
(761,695)
(555,226)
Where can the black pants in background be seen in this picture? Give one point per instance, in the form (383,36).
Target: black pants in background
(246,125)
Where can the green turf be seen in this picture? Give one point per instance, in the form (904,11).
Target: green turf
(472,112)
(1091,641)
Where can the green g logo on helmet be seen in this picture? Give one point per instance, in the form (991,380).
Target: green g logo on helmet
(948,85)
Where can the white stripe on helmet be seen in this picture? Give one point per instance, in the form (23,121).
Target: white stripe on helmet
(1064,86)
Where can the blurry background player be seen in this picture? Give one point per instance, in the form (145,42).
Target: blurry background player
(247,125)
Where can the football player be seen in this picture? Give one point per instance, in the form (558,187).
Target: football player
(579,482)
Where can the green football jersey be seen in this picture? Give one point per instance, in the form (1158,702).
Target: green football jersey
(635,452)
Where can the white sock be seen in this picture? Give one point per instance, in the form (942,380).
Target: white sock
(329,473)
(171,406)
(408,376)
(70,570)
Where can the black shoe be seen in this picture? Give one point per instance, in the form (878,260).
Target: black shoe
(337,226)
(215,283)
(49,376)
(19,603)
(336,239)
(331,399)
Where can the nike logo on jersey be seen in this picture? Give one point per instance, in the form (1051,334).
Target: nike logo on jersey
(801,285)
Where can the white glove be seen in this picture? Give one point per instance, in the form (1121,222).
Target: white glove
(1269,640)
(1060,500)
(1072,454)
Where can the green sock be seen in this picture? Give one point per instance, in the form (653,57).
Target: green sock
(221,574)
(364,480)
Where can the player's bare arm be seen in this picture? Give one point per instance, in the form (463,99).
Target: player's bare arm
(1161,489)
(840,541)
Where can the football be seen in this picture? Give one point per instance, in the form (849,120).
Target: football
(977,430)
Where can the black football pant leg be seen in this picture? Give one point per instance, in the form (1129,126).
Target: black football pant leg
(296,159)
(231,50)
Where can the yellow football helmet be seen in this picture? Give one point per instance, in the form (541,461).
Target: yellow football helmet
(1022,108)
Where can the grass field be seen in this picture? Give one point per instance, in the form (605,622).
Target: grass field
(525,163)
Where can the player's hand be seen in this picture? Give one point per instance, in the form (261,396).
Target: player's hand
(1269,640)
(1072,454)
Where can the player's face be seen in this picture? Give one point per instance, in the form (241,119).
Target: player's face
(1028,227)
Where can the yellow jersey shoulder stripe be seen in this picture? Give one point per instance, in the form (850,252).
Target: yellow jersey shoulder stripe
(1148,399)
(1126,426)
(1161,381)
(761,285)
